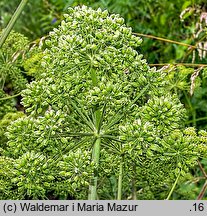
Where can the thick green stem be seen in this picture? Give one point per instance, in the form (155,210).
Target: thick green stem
(94,77)
(173,187)
(98,120)
(134,191)
(12,21)
(95,158)
(120,180)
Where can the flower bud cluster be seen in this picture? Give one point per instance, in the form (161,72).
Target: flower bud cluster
(87,41)
(166,113)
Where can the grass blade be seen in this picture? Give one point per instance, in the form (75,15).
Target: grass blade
(12,21)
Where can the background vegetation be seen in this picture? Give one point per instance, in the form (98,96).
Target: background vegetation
(174,37)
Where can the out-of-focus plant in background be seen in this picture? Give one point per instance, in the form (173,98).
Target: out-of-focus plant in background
(174,40)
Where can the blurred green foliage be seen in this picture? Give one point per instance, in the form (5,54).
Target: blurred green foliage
(158,18)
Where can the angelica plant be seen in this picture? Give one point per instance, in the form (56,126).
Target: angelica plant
(12,79)
(10,61)
(98,117)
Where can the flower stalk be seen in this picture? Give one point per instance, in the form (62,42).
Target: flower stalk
(120,180)
(173,187)
(95,158)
